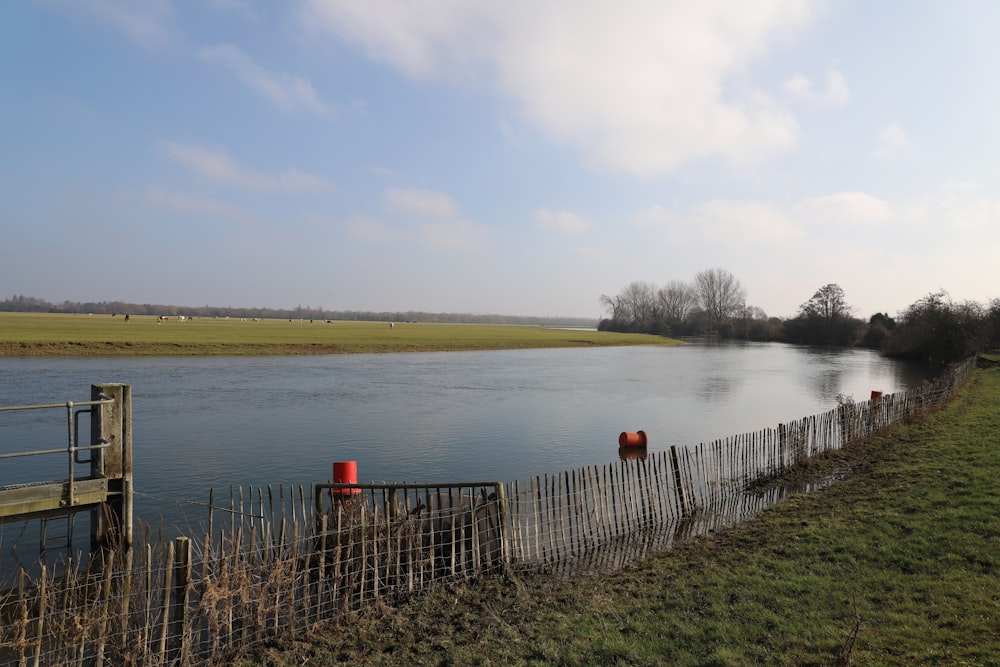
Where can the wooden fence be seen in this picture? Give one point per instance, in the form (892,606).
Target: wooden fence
(275,562)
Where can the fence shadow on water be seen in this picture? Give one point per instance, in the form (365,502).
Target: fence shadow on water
(275,562)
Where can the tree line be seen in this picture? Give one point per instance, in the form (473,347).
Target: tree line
(934,328)
(25,304)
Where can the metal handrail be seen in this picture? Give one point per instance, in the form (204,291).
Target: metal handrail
(103,400)
(103,444)
(72,426)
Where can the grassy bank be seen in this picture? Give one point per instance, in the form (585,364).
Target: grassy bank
(29,334)
(899,564)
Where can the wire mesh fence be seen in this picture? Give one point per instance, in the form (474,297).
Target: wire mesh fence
(275,562)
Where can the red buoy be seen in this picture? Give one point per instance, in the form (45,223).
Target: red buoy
(629,439)
(876,396)
(345,472)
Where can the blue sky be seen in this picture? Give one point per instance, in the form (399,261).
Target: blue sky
(508,157)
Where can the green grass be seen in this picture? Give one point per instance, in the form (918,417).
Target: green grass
(27,334)
(899,564)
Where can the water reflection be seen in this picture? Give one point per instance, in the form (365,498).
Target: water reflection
(212,422)
(632,453)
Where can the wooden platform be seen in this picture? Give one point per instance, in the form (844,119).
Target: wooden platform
(35,498)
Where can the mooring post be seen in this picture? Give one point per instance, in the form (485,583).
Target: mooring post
(111,423)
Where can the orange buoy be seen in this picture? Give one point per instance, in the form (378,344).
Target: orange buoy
(345,472)
(629,439)
(876,396)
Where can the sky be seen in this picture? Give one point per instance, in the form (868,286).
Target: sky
(513,157)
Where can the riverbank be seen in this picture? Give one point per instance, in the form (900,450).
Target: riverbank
(899,563)
(32,335)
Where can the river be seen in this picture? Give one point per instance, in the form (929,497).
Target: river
(202,422)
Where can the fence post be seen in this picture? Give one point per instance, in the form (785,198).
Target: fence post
(845,429)
(675,466)
(179,599)
(111,523)
(40,624)
(503,535)
(782,447)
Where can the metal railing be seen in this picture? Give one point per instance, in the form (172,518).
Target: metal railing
(72,449)
(392,501)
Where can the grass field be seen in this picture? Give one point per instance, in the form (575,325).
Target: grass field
(29,334)
(898,564)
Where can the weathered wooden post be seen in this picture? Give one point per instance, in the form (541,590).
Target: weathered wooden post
(503,534)
(682,495)
(782,447)
(180,597)
(111,423)
(845,424)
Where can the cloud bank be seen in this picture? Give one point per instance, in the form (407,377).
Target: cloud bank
(638,87)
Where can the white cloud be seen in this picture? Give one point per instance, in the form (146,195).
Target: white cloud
(425,203)
(288,92)
(444,231)
(845,207)
(217,165)
(656,217)
(460,235)
(147,23)
(743,223)
(561,221)
(236,8)
(892,138)
(736,223)
(364,228)
(293,180)
(382,171)
(958,210)
(837,92)
(177,201)
(638,87)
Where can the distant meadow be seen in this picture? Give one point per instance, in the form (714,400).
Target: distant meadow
(32,334)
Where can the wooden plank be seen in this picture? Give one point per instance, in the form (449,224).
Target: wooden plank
(26,500)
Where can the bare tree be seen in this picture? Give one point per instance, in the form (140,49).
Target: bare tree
(719,294)
(614,305)
(641,304)
(635,308)
(676,300)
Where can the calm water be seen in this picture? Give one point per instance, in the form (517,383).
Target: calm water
(455,416)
